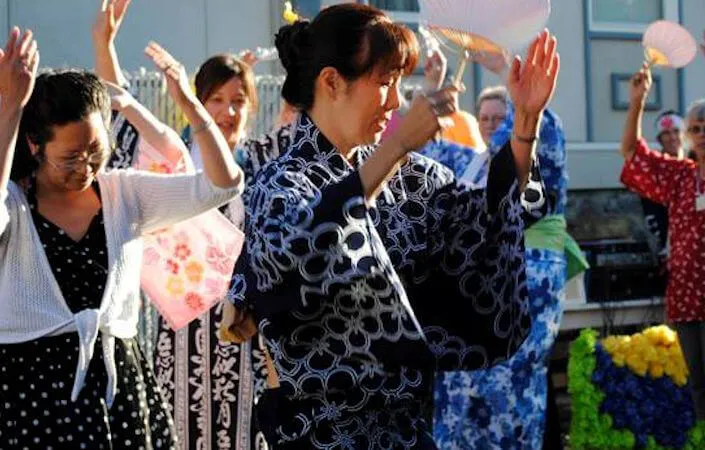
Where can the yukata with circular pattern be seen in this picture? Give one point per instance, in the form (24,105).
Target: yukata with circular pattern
(36,377)
(504,407)
(359,304)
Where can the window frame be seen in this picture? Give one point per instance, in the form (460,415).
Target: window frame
(669,11)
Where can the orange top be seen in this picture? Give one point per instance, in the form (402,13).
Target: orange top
(465,131)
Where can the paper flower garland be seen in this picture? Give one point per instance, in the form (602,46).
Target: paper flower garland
(289,15)
(631,392)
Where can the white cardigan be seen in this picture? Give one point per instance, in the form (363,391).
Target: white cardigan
(134,203)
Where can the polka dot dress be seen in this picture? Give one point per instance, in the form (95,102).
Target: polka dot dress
(36,377)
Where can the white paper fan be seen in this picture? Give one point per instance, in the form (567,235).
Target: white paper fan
(489,26)
(668,44)
(506,24)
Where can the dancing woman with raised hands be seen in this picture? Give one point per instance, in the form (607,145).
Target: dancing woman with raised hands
(73,375)
(368,267)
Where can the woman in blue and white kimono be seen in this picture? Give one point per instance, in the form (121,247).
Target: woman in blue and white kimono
(368,268)
(505,407)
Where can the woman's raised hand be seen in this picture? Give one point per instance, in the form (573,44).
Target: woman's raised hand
(427,115)
(19,61)
(119,97)
(176,78)
(640,85)
(531,83)
(108,20)
(435,70)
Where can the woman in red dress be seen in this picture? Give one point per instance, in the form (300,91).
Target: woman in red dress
(678,184)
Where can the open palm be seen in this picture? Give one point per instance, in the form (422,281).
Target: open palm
(176,77)
(19,61)
(109,18)
(531,83)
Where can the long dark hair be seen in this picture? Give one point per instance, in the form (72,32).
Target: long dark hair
(59,98)
(354,39)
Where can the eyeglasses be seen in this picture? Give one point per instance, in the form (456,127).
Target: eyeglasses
(492,119)
(696,129)
(94,159)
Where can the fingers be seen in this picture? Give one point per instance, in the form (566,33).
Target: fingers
(555,67)
(551,50)
(173,72)
(530,56)
(541,49)
(12,42)
(443,101)
(34,63)
(25,42)
(161,57)
(29,54)
(121,9)
(515,70)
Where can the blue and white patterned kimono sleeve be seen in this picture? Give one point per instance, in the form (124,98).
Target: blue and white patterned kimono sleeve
(468,288)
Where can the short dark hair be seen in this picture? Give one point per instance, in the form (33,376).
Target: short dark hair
(218,70)
(354,39)
(59,98)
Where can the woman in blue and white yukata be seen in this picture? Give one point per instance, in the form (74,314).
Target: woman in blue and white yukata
(504,407)
(369,268)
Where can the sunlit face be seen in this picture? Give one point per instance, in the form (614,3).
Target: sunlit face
(696,136)
(78,151)
(671,141)
(366,107)
(229,107)
(490,117)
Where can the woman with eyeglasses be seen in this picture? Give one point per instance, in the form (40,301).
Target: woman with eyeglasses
(72,374)
(679,185)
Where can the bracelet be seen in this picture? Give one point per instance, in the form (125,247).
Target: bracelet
(203,127)
(524,140)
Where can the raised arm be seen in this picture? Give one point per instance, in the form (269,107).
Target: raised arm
(18,68)
(531,85)
(105,28)
(639,86)
(154,132)
(218,162)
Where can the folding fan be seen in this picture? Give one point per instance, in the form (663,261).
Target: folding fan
(488,26)
(668,44)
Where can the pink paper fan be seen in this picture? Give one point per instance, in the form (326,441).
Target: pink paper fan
(669,44)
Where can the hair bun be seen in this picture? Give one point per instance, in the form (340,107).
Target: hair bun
(289,42)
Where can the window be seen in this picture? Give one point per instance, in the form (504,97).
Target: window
(629,16)
(405,11)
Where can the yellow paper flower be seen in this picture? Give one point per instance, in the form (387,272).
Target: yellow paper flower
(655,351)
(289,15)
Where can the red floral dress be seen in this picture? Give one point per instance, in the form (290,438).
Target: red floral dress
(674,183)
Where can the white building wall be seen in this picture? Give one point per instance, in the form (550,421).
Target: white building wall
(191,29)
